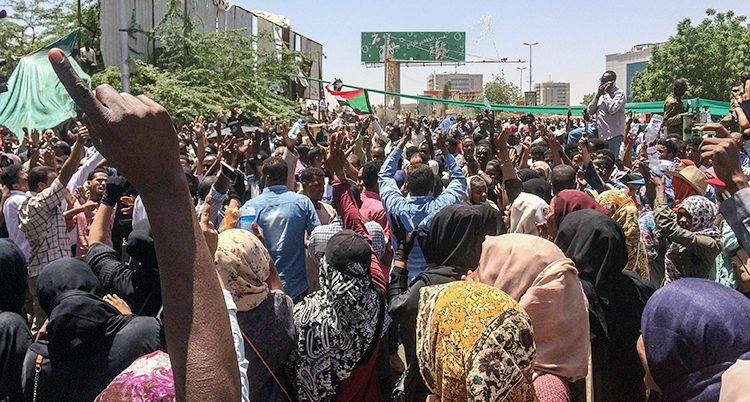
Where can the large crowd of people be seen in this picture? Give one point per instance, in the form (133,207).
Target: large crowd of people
(580,258)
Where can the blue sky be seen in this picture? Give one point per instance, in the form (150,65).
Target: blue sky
(573,35)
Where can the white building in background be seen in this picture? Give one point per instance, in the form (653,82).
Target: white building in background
(627,64)
(552,93)
(459,82)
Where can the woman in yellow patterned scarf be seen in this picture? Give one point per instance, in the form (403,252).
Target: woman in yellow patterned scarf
(622,209)
(474,343)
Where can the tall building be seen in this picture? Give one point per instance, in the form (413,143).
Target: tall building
(627,64)
(459,82)
(552,93)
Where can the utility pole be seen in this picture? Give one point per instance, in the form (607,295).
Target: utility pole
(123,22)
(385,67)
(520,81)
(530,45)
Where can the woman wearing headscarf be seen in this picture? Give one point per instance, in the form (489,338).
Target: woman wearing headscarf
(564,203)
(616,300)
(452,247)
(687,182)
(695,239)
(265,316)
(685,358)
(536,273)
(15,336)
(539,187)
(527,174)
(526,211)
(543,169)
(623,210)
(89,341)
(339,326)
(474,343)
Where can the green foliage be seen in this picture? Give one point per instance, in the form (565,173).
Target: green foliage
(710,55)
(500,90)
(196,73)
(587,98)
(33,24)
(446,92)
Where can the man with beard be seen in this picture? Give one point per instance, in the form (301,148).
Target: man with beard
(82,215)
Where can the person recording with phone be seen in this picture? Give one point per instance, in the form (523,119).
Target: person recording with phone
(609,108)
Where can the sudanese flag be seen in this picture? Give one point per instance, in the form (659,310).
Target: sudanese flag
(356,99)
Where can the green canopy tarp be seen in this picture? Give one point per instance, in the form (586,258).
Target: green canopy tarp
(35,97)
(715,107)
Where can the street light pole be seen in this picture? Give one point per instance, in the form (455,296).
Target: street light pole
(520,80)
(530,45)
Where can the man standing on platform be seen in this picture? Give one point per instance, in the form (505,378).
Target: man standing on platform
(609,108)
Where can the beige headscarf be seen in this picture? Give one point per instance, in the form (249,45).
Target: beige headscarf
(244,265)
(535,272)
(527,210)
(734,383)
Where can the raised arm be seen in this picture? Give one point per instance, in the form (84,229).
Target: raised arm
(71,164)
(456,189)
(134,134)
(389,191)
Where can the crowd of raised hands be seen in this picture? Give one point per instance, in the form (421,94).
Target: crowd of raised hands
(512,257)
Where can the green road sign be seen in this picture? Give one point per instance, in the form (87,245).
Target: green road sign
(414,46)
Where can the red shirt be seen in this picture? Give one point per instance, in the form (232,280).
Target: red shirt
(372,210)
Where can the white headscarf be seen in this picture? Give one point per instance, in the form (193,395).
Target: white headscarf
(527,210)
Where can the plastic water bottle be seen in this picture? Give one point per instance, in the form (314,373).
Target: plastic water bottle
(487,104)
(653,160)
(377,128)
(652,130)
(336,122)
(247,217)
(295,129)
(446,124)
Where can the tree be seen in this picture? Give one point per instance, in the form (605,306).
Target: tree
(446,92)
(202,73)
(33,24)
(710,56)
(500,91)
(587,99)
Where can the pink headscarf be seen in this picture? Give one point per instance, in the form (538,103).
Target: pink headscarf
(568,201)
(535,272)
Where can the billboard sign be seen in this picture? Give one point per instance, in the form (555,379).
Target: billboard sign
(530,98)
(413,46)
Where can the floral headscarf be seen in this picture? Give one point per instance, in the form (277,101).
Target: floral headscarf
(623,210)
(244,265)
(149,378)
(703,212)
(474,342)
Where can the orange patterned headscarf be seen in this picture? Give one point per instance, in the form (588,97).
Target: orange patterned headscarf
(474,342)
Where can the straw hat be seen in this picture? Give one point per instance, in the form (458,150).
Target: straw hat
(693,176)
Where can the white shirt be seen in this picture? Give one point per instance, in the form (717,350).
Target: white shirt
(610,113)
(10,210)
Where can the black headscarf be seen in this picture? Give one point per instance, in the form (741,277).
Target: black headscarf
(15,336)
(88,338)
(456,234)
(539,187)
(616,299)
(528,174)
(78,319)
(13,277)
